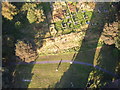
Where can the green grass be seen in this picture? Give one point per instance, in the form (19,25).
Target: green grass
(44,75)
(107,60)
(77,17)
(47,77)
(63,56)
(75,49)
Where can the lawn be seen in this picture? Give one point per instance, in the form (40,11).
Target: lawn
(42,75)
(46,76)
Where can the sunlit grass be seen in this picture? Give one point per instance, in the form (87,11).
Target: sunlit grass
(45,75)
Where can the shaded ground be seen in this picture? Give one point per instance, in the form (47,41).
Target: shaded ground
(11,34)
(44,76)
(93,32)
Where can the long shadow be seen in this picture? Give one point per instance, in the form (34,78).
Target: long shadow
(106,59)
(78,74)
(59,65)
(24,74)
(18,76)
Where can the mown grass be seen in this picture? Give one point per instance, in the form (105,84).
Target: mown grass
(42,76)
(75,49)
(45,75)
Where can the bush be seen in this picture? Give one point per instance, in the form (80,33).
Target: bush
(117,42)
(25,51)
(35,15)
(110,33)
(8,10)
(34,12)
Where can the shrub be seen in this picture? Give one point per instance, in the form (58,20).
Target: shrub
(25,51)
(117,42)
(8,10)
(35,15)
(110,33)
(34,12)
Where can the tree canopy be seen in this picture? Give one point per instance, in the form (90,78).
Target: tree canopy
(32,11)
(8,10)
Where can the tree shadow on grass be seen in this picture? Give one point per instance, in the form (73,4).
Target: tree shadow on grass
(24,72)
(107,61)
(78,74)
(19,75)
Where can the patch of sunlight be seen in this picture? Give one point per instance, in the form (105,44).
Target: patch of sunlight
(98,49)
(45,75)
(100,42)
